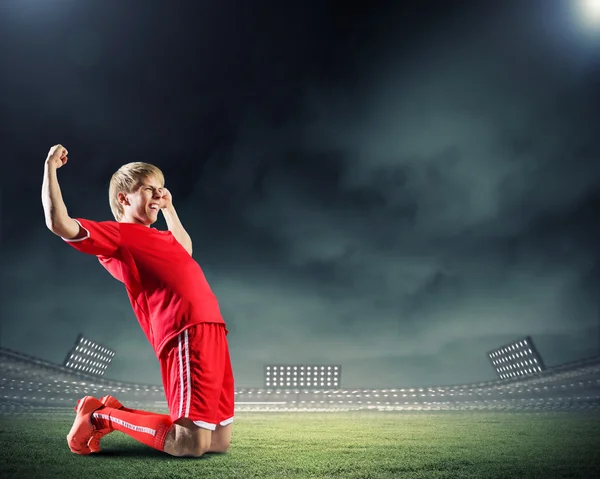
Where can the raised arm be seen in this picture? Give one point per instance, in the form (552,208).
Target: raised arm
(173,221)
(57,218)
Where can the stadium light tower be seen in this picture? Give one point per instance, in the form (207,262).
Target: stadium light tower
(517,359)
(303,376)
(88,357)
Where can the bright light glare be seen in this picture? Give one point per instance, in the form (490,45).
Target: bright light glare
(590,11)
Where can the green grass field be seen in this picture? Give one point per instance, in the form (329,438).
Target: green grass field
(339,445)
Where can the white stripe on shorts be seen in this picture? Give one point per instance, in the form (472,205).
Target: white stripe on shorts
(189,382)
(180,380)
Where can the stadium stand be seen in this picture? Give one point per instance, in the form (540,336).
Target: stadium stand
(28,383)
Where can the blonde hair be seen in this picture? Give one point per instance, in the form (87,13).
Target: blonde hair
(126,179)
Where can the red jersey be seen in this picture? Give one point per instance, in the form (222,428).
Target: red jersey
(166,287)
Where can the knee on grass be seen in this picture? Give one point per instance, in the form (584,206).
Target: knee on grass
(219,447)
(188,442)
(188,449)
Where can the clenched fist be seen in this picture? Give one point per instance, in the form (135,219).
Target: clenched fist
(57,156)
(166,200)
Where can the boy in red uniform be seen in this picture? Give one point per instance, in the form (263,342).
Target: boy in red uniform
(173,304)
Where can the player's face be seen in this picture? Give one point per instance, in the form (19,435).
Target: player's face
(143,204)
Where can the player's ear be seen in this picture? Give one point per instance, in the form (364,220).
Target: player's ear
(122,197)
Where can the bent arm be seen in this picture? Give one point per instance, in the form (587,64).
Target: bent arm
(175,227)
(57,218)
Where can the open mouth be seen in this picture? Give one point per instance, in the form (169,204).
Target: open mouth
(154,207)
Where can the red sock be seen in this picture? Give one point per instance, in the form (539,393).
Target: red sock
(136,411)
(148,428)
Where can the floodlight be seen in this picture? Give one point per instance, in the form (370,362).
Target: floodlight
(519,358)
(88,356)
(288,375)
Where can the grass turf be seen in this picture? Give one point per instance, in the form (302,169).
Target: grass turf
(339,445)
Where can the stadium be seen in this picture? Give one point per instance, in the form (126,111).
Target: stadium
(29,383)
(543,421)
(392,206)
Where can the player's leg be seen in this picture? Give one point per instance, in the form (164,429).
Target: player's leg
(205,363)
(193,370)
(221,437)
(159,431)
(191,391)
(137,411)
(193,403)
(148,428)
(220,440)
(92,416)
(111,402)
(181,438)
(186,439)
(99,431)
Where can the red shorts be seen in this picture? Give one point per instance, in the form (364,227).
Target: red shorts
(197,376)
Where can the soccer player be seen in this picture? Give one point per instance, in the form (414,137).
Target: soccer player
(173,304)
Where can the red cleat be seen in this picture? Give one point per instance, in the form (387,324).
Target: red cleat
(83,429)
(94,442)
(108,401)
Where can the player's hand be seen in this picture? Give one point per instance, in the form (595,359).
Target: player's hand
(166,200)
(57,156)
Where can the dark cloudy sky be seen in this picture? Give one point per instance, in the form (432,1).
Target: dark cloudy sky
(396,189)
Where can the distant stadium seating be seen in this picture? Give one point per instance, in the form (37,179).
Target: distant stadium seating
(28,383)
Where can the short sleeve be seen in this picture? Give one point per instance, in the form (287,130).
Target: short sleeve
(101,239)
